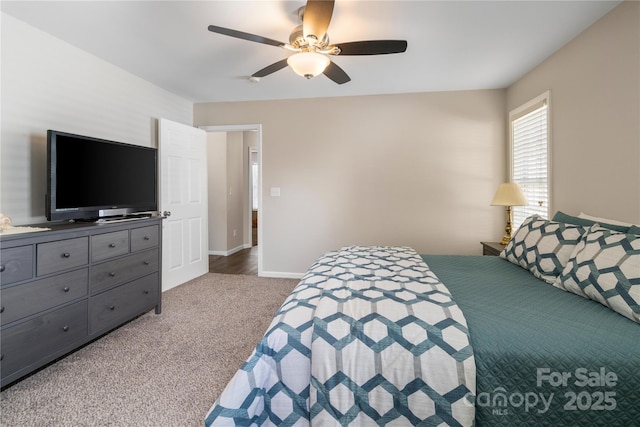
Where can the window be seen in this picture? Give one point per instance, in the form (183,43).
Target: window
(529,157)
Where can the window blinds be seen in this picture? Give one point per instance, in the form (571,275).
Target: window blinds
(529,161)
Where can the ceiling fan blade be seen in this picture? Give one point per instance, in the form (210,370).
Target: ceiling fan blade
(336,73)
(372,47)
(276,66)
(316,18)
(244,36)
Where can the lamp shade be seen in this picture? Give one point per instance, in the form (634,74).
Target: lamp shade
(509,194)
(308,64)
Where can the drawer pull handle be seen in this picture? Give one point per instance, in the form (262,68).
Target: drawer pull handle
(112,274)
(66,255)
(2,309)
(146,292)
(147,238)
(147,263)
(112,245)
(112,307)
(65,328)
(2,268)
(66,289)
(1,357)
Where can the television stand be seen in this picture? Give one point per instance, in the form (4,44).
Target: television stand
(69,285)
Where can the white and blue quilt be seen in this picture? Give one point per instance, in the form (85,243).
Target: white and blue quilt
(370,336)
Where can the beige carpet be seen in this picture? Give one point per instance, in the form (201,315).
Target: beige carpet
(158,370)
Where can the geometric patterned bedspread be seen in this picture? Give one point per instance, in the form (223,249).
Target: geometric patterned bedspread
(369,336)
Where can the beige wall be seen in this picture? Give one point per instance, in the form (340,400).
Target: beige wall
(235,191)
(229,203)
(413,169)
(217,192)
(595,116)
(49,84)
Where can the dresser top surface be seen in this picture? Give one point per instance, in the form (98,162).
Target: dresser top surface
(72,229)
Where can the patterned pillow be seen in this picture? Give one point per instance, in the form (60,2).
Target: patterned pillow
(543,247)
(605,267)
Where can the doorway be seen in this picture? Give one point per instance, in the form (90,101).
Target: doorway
(254,176)
(252,190)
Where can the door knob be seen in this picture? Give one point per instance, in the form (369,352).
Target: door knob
(166,213)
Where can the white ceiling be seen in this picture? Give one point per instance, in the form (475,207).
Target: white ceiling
(452,45)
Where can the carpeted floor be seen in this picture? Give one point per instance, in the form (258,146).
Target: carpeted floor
(157,370)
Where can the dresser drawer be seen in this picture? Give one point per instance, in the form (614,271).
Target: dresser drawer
(62,255)
(16,264)
(41,338)
(113,273)
(120,304)
(31,298)
(144,238)
(109,245)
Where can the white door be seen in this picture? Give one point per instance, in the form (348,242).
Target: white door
(183,201)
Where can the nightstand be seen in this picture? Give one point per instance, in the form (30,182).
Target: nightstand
(492,248)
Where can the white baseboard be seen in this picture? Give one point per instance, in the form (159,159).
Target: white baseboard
(272,274)
(281,275)
(230,251)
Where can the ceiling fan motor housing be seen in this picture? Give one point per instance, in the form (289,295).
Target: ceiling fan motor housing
(297,40)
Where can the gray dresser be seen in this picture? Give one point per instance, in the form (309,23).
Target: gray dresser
(62,288)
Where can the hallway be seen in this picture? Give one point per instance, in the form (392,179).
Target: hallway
(241,262)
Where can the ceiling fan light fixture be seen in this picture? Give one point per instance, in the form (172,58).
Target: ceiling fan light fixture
(308,64)
(310,42)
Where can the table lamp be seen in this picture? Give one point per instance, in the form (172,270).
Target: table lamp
(509,194)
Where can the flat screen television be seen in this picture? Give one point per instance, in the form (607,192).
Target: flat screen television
(90,178)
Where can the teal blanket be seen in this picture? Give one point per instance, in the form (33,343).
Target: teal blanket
(543,356)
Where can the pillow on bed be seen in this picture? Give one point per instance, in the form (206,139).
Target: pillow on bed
(563,217)
(543,247)
(605,267)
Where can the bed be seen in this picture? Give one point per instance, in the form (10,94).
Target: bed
(384,336)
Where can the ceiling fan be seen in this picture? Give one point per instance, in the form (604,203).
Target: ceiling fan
(311,45)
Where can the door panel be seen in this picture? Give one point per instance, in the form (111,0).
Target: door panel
(174,196)
(196,237)
(173,251)
(183,195)
(195,186)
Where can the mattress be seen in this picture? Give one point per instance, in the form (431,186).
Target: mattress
(543,356)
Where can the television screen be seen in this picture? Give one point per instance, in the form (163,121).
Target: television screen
(89,178)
